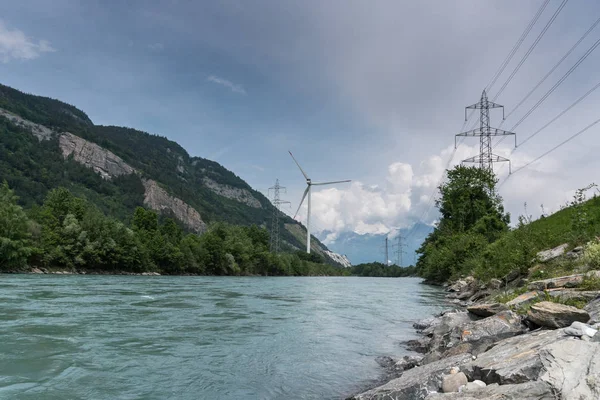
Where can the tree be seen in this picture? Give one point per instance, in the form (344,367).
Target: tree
(472,216)
(14,231)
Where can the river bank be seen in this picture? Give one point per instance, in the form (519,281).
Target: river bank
(511,339)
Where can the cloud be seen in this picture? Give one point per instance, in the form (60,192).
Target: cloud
(15,45)
(228,84)
(156,46)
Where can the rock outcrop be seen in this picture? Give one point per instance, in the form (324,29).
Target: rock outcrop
(242,195)
(486,309)
(158,199)
(554,315)
(39,131)
(102,161)
(568,281)
(551,254)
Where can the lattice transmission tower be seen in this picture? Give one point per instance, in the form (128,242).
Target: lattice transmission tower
(486,158)
(277,202)
(399,246)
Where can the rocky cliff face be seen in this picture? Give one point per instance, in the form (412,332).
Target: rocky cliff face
(158,199)
(242,195)
(91,155)
(39,131)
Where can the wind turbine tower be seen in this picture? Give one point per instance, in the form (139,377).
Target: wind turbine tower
(309,185)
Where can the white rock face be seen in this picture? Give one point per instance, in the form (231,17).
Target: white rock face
(39,131)
(158,199)
(102,161)
(341,259)
(242,195)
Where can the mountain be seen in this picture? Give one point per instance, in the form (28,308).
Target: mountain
(46,143)
(368,248)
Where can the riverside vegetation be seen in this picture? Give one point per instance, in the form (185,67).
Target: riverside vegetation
(532,299)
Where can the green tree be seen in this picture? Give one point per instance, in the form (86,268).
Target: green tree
(15,246)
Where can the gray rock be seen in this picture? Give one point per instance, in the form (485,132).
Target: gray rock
(514,360)
(451,383)
(425,323)
(573,294)
(407,362)
(241,195)
(569,281)
(481,294)
(416,383)
(524,299)
(158,199)
(593,309)
(586,338)
(572,368)
(36,271)
(554,315)
(500,326)
(495,284)
(524,391)
(440,335)
(580,329)
(458,286)
(512,275)
(487,310)
(551,254)
(475,385)
(596,338)
(102,161)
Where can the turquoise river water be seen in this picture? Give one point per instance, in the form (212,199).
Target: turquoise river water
(136,337)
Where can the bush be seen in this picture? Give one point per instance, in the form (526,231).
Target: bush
(591,255)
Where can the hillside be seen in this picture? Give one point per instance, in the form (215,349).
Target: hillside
(45,143)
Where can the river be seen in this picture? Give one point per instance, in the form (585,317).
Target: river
(133,337)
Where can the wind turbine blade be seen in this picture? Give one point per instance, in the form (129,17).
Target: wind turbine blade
(301,170)
(331,183)
(302,201)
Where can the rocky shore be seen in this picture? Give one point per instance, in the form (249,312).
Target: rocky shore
(41,271)
(533,346)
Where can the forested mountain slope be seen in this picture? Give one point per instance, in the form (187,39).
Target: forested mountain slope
(45,143)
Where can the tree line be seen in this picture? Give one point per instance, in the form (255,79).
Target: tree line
(67,232)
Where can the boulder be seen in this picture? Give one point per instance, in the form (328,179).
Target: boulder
(440,335)
(569,281)
(572,294)
(512,275)
(514,360)
(458,286)
(451,383)
(475,385)
(425,323)
(36,271)
(416,383)
(580,329)
(551,254)
(495,284)
(481,294)
(575,253)
(487,309)
(407,362)
(500,326)
(572,368)
(554,315)
(420,345)
(524,299)
(593,309)
(523,391)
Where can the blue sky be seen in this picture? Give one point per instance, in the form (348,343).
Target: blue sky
(368,91)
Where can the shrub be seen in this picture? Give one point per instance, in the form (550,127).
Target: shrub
(591,255)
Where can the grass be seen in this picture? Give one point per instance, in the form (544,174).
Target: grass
(507,296)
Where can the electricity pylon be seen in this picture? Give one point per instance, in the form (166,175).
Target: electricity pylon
(399,249)
(277,202)
(486,158)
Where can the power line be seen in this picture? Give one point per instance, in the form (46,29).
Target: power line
(511,54)
(557,84)
(564,57)
(531,48)
(554,148)
(517,45)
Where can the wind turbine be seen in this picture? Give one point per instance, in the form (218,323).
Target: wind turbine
(309,184)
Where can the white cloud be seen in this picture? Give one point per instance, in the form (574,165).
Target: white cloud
(156,46)
(15,45)
(228,84)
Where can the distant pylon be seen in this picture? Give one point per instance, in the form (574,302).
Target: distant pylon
(486,158)
(387,260)
(400,250)
(274,240)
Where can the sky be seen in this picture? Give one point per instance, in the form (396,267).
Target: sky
(368,91)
